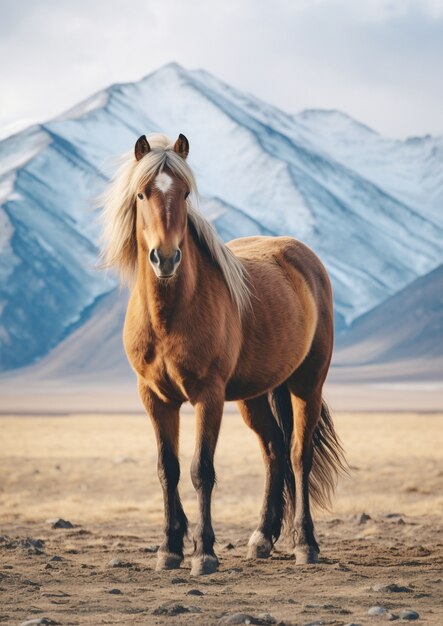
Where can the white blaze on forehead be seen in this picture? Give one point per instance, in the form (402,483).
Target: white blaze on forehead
(163,182)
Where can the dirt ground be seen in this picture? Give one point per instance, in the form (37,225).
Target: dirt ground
(99,472)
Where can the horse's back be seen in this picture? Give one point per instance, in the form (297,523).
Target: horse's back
(289,254)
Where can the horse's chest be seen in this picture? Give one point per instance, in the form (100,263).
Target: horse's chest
(168,370)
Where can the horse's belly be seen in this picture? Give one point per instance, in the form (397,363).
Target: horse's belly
(264,367)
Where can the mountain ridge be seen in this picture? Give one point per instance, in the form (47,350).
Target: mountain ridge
(260,171)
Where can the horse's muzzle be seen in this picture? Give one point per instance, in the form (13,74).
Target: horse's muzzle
(165,266)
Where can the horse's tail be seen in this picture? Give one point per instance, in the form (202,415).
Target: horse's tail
(328,455)
(328,460)
(280,402)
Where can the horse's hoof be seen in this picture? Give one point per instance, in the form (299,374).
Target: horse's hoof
(258,546)
(206,564)
(168,560)
(306,555)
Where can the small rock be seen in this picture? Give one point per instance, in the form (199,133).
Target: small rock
(60,523)
(195,592)
(115,592)
(33,546)
(119,563)
(391,588)
(266,618)
(175,609)
(377,610)
(408,614)
(178,581)
(363,518)
(56,558)
(390,617)
(228,546)
(39,621)
(237,618)
(243,618)
(394,515)
(352,624)
(150,549)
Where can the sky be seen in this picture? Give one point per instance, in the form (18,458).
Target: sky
(380,61)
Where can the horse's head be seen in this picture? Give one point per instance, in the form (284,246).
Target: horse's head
(162,210)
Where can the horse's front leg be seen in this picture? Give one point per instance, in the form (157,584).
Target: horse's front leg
(209,411)
(165,419)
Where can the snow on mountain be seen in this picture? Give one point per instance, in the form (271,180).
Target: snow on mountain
(318,176)
(410,170)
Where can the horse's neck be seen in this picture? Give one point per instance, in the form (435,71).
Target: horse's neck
(164,301)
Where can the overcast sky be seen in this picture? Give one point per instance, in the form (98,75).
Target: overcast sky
(381,61)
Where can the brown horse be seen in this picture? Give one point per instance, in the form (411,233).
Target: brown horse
(251,321)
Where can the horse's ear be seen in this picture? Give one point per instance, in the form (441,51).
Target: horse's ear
(142,147)
(181,146)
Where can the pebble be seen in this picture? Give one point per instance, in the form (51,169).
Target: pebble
(377,610)
(175,609)
(33,546)
(195,592)
(266,618)
(363,518)
(229,546)
(151,549)
(390,617)
(352,624)
(115,591)
(39,621)
(56,558)
(60,523)
(408,614)
(237,618)
(119,563)
(178,581)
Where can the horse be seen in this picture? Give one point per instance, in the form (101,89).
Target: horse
(206,322)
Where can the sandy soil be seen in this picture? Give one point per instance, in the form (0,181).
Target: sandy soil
(99,472)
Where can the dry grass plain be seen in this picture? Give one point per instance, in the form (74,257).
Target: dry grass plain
(99,472)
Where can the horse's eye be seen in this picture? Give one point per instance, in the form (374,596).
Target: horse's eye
(186,194)
(140,195)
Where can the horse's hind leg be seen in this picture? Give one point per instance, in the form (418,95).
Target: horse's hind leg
(165,419)
(306,412)
(258,416)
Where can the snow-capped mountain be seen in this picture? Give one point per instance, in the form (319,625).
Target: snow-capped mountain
(370,207)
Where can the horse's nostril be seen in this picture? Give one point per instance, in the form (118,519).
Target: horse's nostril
(177,256)
(153,255)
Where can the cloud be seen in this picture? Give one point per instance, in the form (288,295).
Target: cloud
(379,60)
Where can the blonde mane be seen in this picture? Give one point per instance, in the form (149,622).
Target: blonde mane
(119,242)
